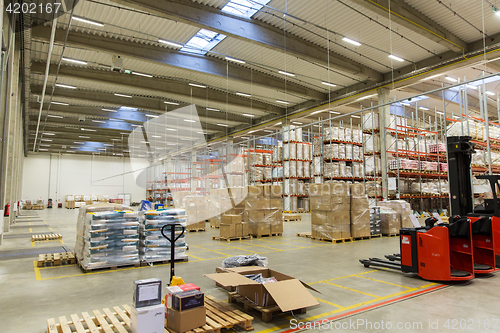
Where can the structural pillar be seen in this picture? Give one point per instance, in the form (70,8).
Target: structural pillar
(193,170)
(384,122)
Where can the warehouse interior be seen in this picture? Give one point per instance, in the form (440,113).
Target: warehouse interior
(308,139)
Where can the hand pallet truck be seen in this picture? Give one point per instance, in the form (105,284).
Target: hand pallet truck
(174,280)
(441,252)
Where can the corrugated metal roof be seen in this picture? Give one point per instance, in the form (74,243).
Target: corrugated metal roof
(472,11)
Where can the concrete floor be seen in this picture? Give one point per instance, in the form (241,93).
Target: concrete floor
(350,293)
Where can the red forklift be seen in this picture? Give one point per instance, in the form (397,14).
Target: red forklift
(464,247)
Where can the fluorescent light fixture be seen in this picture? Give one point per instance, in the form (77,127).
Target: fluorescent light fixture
(190,120)
(142,74)
(235,60)
(334,112)
(53,116)
(451,79)
(45,140)
(78,142)
(110,110)
(328,84)
(243,94)
(117,154)
(354,116)
(423,108)
(98,121)
(171,103)
(431,77)
(88,129)
(316,112)
(134,125)
(268,131)
(126,151)
(171,144)
(315,125)
(365,97)
(490,93)
(156,136)
(456,117)
(127,107)
(201,132)
(141,155)
(224,125)
(439,112)
(73,147)
(471,86)
(116,139)
(250,132)
(124,133)
(146,142)
(134,147)
(297,122)
(122,95)
(286,73)
(87,21)
(248,115)
(64,86)
(185,139)
(84,137)
(74,61)
(170,129)
(277,124)
(41,149)
(244,137)
(406,104)
(282,102)
(353,42)
(393,57)
(59,103)
(169,43)
(101,149)
(70,151)
(211,109)
(47,133)
(44,145)
(150,152)
(197,85)
(151,116)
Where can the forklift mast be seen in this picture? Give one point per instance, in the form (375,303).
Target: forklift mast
(460,151)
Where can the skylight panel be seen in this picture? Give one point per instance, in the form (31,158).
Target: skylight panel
(202,42)
(245,8)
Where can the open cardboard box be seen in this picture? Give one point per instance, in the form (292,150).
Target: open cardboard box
(288,293)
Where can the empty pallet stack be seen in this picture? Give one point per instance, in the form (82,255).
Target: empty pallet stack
(330,211)
(153,246)
(263,210)
(107,237)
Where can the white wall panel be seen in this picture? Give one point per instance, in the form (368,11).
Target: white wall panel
(75,174)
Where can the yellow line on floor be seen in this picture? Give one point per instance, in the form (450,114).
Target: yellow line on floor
(343,277)
(32,244)
(37,271)
(240,248)
(392,284)
(275,241)
(29,223)
(350,289)
(330,303)
(31,230)
(225,254)
(189,254)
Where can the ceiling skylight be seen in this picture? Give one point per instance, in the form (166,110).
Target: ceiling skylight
(202,42)
(244,8)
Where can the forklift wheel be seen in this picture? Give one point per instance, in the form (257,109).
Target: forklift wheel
(366,265)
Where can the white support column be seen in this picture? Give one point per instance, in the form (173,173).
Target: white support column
(193,170)
(384,121)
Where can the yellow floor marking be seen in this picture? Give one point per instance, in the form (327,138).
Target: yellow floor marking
(392,284)
(37,271)
(51,229)
(60,239)
(225,254)
(350,289)
(31,230)
(343,277)
(274,241)
(272,329)
(189,254)
(332,304)
(29,223)
(32,244)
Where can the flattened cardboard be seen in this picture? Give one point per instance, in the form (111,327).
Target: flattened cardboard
(286,300)
(230,279)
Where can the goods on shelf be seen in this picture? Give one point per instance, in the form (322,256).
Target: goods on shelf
(76,201)
(307,169)
(289,133)
(290,204)
(372,165)
(371,143)
(153,246)
(106,236)
(300,169)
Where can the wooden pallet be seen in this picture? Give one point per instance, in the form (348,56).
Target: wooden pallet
(196,230)
(376,236)
(304,234)
(390,235)
(47,237)
(56,259)
(361,238)
(114,267)
(265,312)
(215,227)
(225,315)
(340,240)
(116,320)
(161,262)
(228,239)
(279,234)
(292,218)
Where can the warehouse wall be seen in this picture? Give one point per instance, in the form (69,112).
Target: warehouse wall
(55,176)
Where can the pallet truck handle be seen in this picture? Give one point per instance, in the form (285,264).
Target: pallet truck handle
(172,244)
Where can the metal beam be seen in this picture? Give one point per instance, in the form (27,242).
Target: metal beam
(178,90)
(252,31)
(170,57)
(410,18)
(139,102)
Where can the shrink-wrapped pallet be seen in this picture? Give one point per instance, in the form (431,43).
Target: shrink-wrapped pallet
(370,121)
(277,153)
(288,133)
(307,169)
(342,151)
(256,158)
(267,159)
(349,151)
(341,134)
(372,165)
(300,169)
(293,168)
(268,173)
(298,134)
(342,169)
(286,169)
(317,161)
(347,134)
(300,151)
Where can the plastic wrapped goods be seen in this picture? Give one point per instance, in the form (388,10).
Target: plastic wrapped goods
(288,133)
(277,153)
(257,173)
(372,164)
(298,134)
(289,151)
(286,169)
(278,172)
(155,247)
(357,135)
(300,169)
(356,155)
(293,168)
(316,146)
(239,261)
(342,151)
(342,168)
(267,159)
(341,134)
(331,133)
(317,161)
(300,151)
(348,151)
(307,152)
(256,158)
(307,169)
(357,170)
(268,173)
(370,121)
(347,134)
(371,143)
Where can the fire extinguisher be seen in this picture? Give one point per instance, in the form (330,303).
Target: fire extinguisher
(6,212)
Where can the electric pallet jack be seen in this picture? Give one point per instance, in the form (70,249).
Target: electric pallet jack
(436,252)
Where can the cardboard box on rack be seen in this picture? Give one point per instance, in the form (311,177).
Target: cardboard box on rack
(288,293)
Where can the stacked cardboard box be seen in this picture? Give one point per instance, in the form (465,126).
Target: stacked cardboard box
(232,226)
(185,308)
(389,221)
(330,210)
(263,210)
(403,210)
(360,211)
